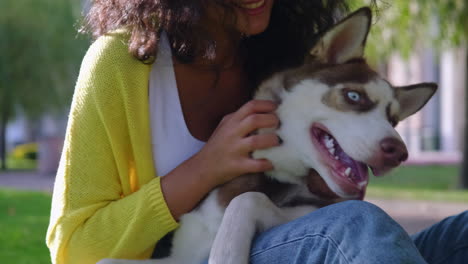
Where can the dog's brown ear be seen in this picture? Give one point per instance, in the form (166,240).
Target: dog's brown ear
(344,41)
(413,97)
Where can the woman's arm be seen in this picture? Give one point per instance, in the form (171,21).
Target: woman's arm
(107,201)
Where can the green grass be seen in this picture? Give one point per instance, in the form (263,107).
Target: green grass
(437,183)
(24,217)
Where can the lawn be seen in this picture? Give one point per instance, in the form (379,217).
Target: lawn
(437,183)
(24,215)
(23,223)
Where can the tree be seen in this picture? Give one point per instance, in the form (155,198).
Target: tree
(40,58)
(464,171)
(401,24)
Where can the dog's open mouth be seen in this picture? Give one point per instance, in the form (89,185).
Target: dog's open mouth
(350,175)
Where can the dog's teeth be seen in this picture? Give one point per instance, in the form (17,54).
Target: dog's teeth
(362,184)
(329,143)
(336,157)
(348,171)
(332,151)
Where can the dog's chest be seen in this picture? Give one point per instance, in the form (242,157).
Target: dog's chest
(281,194)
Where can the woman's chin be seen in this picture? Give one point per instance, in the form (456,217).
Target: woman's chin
(255,29)
(254,23)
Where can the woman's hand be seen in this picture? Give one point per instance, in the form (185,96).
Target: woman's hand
(226,155)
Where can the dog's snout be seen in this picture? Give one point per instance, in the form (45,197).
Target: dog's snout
(394,151)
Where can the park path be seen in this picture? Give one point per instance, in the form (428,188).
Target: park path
(412,215)
(415,216)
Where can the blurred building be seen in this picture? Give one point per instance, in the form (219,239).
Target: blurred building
(48,132)
(435,134)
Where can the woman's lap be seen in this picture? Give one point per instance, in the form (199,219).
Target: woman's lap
(445,242)
(358,232)
(348,232)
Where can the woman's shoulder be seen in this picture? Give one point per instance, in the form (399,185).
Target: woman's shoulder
(111,51)
(108,68)
(108,62)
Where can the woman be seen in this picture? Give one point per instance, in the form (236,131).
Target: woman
(164,91)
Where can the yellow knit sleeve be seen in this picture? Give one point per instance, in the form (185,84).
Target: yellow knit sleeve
(107,202)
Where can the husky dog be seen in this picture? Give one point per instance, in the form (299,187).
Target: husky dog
(337,121)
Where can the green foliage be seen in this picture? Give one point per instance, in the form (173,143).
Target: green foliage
(24,217)
(405,26)
(21,164)
(40,55)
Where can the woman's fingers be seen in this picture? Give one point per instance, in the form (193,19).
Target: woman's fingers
(227,153)
(261,141)
(254,106)
(257,121)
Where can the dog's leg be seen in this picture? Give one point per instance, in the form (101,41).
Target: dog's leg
(192,241)
(246,214)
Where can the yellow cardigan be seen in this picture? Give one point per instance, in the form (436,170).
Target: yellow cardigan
(107,200)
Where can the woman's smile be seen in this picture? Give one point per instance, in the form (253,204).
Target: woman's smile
(253,7)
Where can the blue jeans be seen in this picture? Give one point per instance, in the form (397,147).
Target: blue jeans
(360,232)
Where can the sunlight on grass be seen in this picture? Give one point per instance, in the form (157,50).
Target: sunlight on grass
(437,183)
(416,194)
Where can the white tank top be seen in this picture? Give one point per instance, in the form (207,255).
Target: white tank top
(171,140)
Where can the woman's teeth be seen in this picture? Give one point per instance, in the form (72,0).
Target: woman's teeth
(252,5)
(362,184)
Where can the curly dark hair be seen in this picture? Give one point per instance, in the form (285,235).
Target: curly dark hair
(294,26)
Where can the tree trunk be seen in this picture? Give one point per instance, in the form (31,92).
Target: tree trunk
(464,171)
(3,124)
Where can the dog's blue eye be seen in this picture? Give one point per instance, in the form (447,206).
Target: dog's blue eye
(354,96)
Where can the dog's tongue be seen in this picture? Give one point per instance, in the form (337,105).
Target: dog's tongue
(359,169)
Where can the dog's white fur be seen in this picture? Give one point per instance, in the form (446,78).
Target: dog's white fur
(232,228)
(295,158)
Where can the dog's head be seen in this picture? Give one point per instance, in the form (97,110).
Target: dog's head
(338,115)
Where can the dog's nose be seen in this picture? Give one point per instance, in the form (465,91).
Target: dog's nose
(394,151)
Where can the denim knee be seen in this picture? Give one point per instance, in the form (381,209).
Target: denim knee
(356,213)
(357,208)
(352,231)
(348,221)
